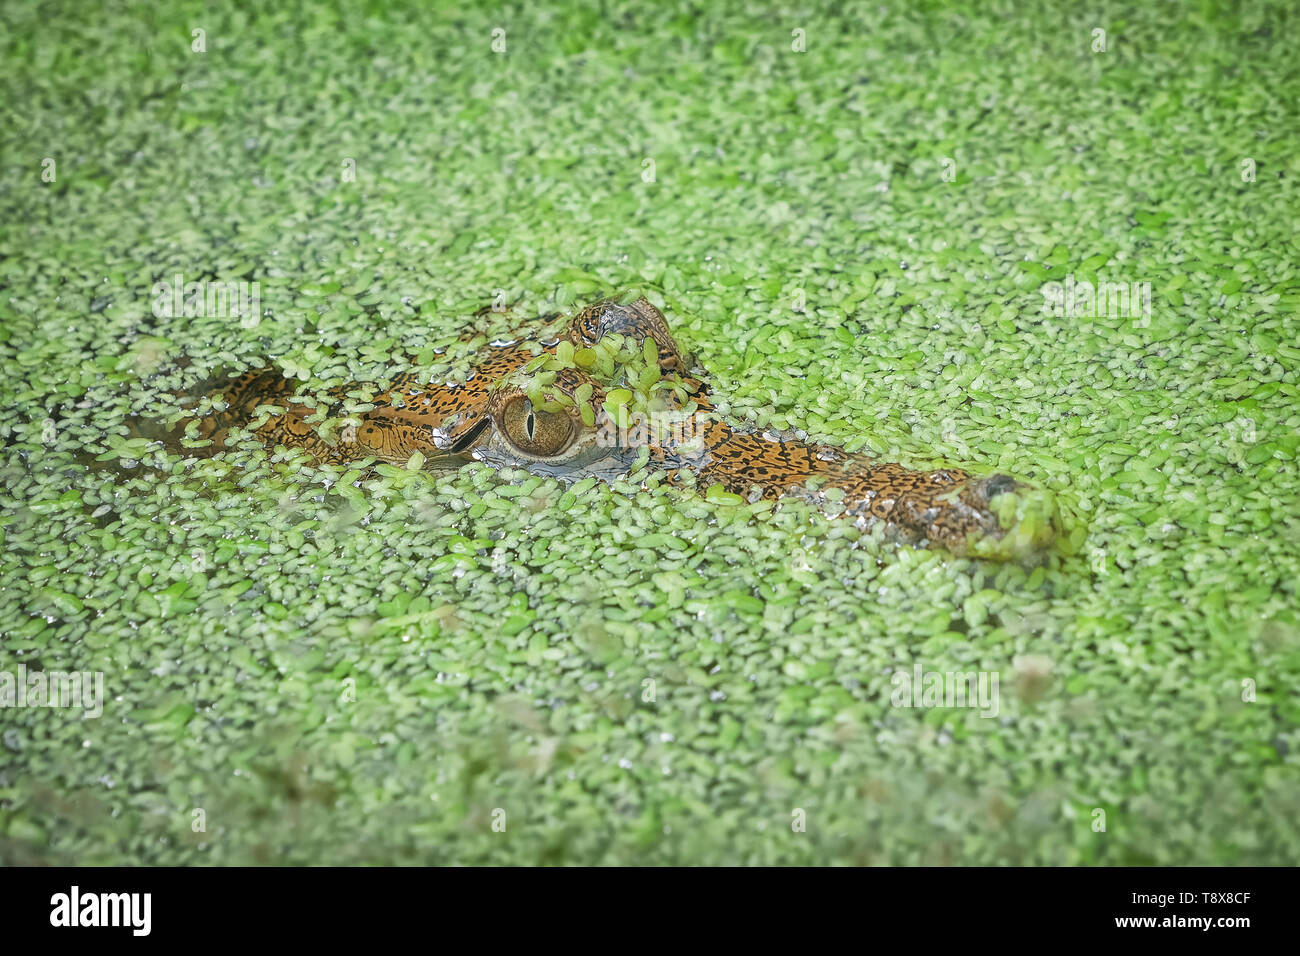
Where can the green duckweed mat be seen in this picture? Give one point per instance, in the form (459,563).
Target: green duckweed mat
(855,221)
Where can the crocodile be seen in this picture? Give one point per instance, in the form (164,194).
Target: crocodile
(607,393)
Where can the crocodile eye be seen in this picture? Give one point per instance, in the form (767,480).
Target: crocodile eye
(536,432)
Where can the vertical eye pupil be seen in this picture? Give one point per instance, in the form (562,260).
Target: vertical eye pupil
(534,431)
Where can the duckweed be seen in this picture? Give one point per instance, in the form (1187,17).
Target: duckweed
(854,240)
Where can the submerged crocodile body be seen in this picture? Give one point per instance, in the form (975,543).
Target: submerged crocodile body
(609,392)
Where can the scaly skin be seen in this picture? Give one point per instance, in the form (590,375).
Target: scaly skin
(452,423)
